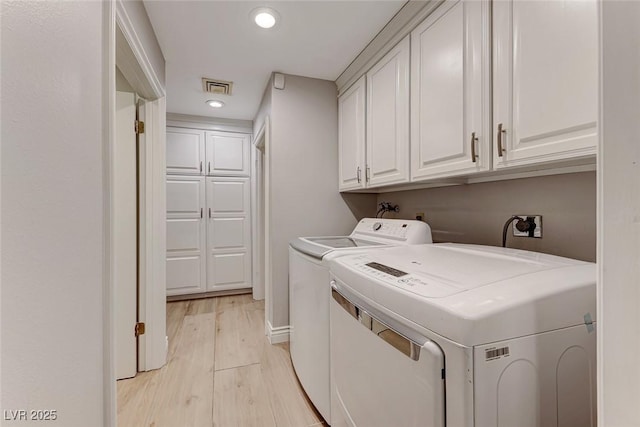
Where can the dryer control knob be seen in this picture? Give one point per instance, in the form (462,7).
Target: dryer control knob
(377,226)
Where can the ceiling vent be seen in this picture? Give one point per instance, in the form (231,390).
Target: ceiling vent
(219,87)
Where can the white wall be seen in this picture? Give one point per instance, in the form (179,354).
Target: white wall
(53,213)
(304,175)
(619,217)
(264,109)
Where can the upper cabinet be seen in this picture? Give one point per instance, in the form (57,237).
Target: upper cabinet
(379,104)
(450,129)
(388,118)
(185,151)
(197,152)
(545,81)
(495,85)
(227,153)
(351,133)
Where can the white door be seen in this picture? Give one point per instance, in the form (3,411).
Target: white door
(388,118)
(545,80)
(125,232)
(228,153)
(186,235)
(351,137)
(228,233)
(185,151)
(450,132)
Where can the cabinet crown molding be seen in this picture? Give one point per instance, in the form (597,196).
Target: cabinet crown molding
(407,18)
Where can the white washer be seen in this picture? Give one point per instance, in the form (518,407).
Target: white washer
(309,294)
(462,335)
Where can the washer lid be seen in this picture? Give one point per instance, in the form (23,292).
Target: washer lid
(318,247)
(473,294)
(368,232)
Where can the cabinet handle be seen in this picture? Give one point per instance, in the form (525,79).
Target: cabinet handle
(201,214)
(208,167)
(474,156)
(200,166)
(367,173)
(500,132)
(358,175)
(209,212)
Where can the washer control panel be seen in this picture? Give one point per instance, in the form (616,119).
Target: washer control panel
(393,230)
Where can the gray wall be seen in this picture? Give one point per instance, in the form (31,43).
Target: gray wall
(476,213)
(304,175)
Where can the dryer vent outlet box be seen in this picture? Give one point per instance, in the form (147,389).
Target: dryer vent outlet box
(534,230)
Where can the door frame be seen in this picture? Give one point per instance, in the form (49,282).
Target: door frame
(258,212)
(124,48)
(262,224)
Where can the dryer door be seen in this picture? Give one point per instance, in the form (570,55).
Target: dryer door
(383,374)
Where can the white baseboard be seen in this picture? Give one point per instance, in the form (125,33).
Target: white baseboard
(277,335)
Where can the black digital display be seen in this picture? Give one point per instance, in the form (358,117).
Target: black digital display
(386,269)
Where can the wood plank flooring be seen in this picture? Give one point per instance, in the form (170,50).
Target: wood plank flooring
(221,371)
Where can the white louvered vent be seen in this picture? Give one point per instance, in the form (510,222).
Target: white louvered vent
(219,87)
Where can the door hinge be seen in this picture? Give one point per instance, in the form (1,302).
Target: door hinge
(139,126)
(139,329)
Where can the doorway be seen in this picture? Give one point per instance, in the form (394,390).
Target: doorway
(261,221)
(134,75)
(258,216)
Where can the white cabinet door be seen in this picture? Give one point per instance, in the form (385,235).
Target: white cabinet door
(351,137)
(228,233)
(227,153)
(186,237)
(545,80)
(388,118)
(450,129)
(185,151)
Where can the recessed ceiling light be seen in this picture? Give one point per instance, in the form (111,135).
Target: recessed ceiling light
(215,103)
(264,17)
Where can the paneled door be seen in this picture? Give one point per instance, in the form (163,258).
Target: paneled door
(351,137)
(185,151)
(388,118)
(228,233)
(186,236)
(228,153)
(545,81)
(450,59)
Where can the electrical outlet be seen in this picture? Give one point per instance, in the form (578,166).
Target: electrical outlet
(420,216)
(523,230)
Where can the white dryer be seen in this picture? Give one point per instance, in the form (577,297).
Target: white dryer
(462,335)
(309,294)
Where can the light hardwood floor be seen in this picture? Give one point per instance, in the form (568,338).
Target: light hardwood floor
(221,372)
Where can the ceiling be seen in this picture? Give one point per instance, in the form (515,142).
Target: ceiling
(218,39)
